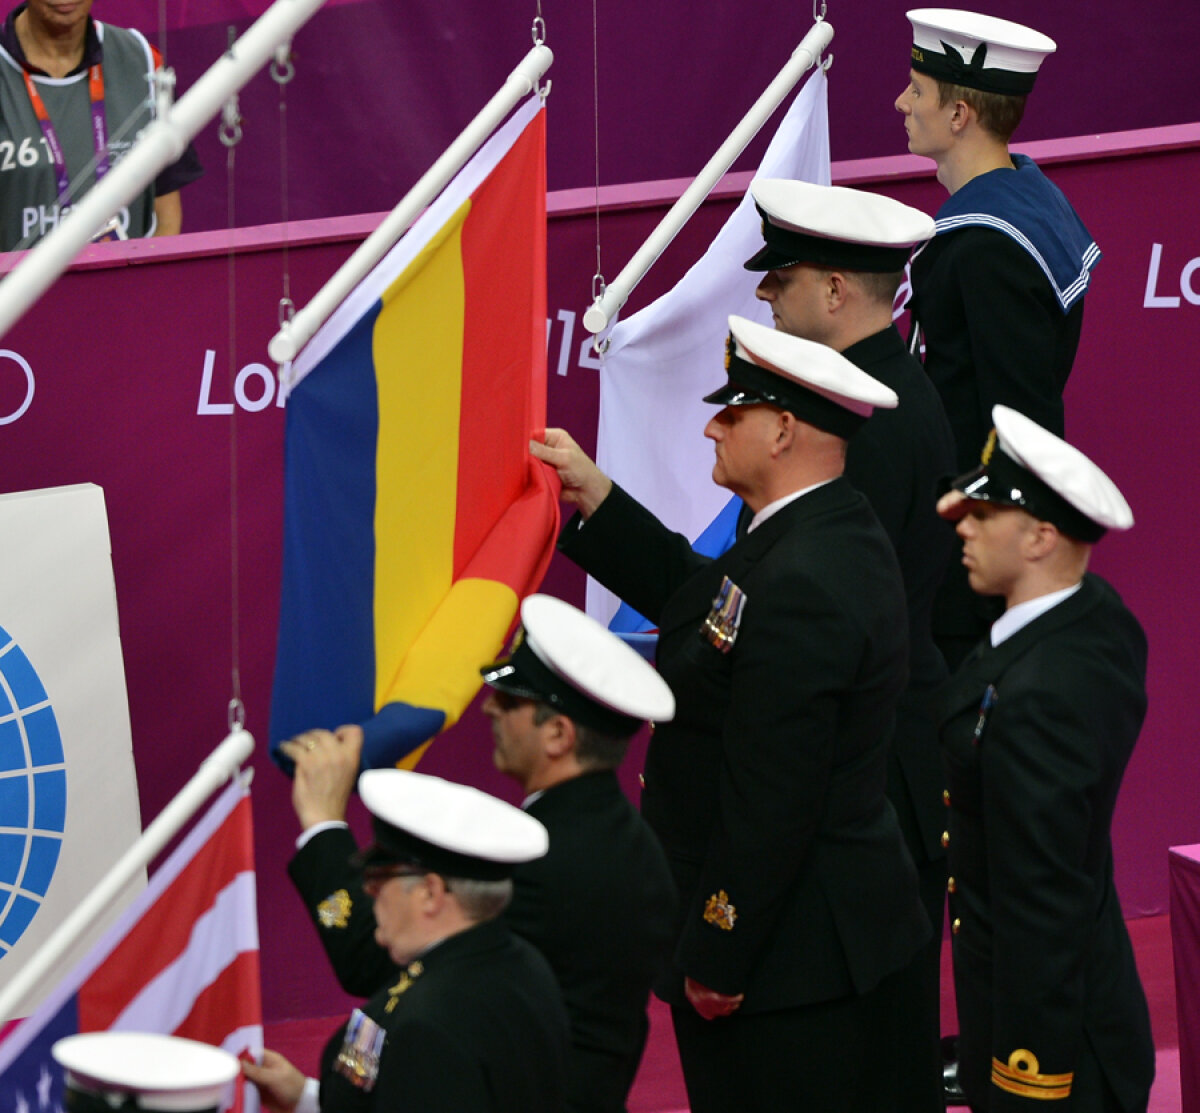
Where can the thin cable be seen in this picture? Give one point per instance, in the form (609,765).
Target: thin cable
(598,278)
(282,72)
(230,136)
(234,571)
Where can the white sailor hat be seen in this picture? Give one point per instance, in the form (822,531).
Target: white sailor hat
(812,381)
(977,51)
(165,1074)
(446,828)
(834,227)
(564,658)
(1026,466)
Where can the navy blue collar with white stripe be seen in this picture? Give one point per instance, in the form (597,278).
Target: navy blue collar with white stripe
(1029,208)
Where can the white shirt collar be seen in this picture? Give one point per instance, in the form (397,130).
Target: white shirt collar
(1015,618)
(779,504)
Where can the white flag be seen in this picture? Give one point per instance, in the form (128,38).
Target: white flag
(666,357)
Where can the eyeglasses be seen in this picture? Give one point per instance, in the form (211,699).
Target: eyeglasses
(506,701)
(375,878)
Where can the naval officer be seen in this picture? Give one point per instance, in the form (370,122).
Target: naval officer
(1038,726)
(473,1020)
(832,262)
(787,655)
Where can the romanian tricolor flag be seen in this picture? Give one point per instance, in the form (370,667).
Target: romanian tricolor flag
(415,519)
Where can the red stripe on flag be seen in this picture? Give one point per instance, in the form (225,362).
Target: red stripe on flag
(162,934)
(229,1003)
(504,348)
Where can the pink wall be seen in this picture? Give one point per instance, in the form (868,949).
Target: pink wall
(119,350)
(382,87)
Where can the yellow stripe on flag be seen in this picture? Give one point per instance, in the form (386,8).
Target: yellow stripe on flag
(417,347)
(461,633)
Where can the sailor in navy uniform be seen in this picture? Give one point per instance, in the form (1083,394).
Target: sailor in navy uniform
(1037,728)
(473,1021)
(787,655)
(998,293)
(833,260)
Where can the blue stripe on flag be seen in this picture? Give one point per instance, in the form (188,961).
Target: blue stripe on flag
(328,545)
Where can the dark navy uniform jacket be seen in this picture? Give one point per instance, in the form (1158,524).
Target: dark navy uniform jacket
(897,460)
(767,788)
(600,905)
(1036,734)
(476,1025)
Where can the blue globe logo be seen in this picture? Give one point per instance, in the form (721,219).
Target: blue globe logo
(33,793)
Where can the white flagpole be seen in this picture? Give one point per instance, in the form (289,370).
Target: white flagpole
(294,334)
(222,764)
(616,293)
(161,143)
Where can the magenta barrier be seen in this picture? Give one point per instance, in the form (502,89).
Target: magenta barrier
(1185,950)
(130,374)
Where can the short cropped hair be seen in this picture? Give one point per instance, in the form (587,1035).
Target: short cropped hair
(593,748)
(878,287)
(999,113)
(480,900)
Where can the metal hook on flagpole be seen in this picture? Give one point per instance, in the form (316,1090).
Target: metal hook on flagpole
(539,39)
(600,343)
(164,91)
(282,68)
(230,131)
(819,10)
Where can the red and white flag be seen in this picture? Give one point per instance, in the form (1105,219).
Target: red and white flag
(182,960)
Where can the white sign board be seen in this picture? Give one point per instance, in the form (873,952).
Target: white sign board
(68,793)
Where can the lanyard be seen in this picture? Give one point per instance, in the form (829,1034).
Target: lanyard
(99,131)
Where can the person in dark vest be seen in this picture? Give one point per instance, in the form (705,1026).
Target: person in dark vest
(1037,727)
(74,96)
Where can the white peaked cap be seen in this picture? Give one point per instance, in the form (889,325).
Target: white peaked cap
(451,828)
(835,212)
(593,660)
(815,367)
(1062,467)
(163,1073)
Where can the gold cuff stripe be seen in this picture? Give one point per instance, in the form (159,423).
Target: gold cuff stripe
(1020,1076)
